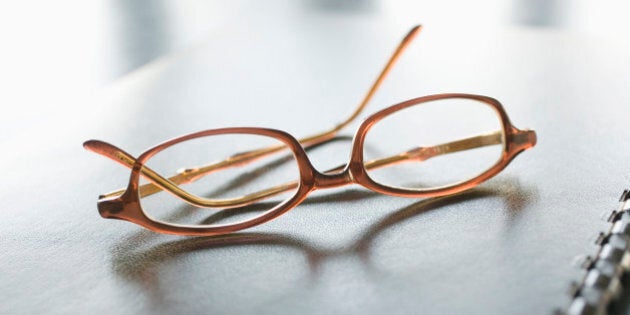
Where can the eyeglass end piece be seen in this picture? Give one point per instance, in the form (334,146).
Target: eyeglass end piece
(530,137)
(524,139)
(108,208)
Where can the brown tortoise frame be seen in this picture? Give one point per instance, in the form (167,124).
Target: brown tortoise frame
(125,203)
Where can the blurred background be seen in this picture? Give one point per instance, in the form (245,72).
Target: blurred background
(55,53)
(60,59)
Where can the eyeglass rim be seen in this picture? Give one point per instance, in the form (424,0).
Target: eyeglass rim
(510,148)
(310,178)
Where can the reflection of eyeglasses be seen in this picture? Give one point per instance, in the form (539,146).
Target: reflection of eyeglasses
(461,140)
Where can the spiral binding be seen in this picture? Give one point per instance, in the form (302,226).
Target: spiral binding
(601,285)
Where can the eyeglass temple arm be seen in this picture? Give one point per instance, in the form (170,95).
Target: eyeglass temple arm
(416,154)
(159,183)
(391,62)
(190,174)
(424,153)
(329,134)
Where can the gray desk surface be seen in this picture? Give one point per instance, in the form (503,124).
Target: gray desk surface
(503,248)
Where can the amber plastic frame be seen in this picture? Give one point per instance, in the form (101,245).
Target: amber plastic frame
(125,204)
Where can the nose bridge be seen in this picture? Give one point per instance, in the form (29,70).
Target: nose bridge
(331,180)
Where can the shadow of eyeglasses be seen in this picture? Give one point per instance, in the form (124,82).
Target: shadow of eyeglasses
(130,265)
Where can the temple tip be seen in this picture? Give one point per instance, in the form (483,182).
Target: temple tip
(412,33)
(90,144)
(110,151)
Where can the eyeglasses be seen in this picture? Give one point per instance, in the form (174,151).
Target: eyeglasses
(237,178)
